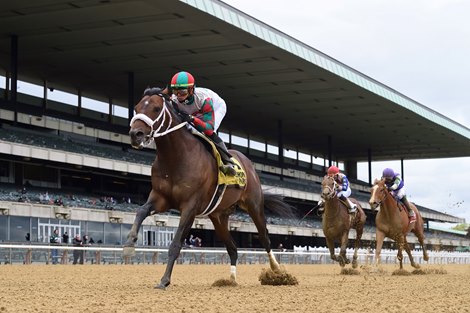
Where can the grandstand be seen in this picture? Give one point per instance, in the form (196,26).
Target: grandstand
(90,208)
(81,155)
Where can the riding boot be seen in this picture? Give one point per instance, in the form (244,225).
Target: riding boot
(351,206)
(321,206)
(228,167)
(411,213)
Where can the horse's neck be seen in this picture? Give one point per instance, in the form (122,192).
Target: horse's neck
(177,147)
(389,207)
(332,207)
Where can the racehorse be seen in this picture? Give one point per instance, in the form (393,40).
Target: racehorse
(392,221)
(337,222)
(184,177)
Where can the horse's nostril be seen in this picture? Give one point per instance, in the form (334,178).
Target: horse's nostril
(136,133)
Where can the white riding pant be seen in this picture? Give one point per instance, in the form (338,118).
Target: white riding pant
(345,193)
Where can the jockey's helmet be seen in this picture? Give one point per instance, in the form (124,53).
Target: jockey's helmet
(333,170)
(388,173)
(182,80)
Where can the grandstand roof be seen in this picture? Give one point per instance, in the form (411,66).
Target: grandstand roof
(264,74)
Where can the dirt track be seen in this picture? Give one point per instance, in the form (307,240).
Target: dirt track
(118,288)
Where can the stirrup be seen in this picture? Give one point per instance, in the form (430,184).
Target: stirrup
(228,169)
(352,210)
(412,218)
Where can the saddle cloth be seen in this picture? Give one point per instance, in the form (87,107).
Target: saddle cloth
(354,217)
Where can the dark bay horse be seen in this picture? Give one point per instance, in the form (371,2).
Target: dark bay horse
(184,177)
(393,222)
(337,222)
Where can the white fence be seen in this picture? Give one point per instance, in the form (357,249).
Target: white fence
(41,254)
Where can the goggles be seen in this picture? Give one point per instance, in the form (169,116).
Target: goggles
(180,92)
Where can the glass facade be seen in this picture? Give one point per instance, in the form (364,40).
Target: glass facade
(19,227)
(3,228)
(15,228)
(112,233)
(96,231)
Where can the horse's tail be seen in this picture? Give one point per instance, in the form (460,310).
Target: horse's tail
(276,204)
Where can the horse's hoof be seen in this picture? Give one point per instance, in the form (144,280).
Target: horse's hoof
(160,286)
(128,251)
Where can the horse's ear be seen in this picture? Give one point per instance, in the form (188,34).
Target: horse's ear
(165,93)
(376,181)
(172,106)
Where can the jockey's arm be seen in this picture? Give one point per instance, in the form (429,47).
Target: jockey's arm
(342,182)
(204,119)
(345,183)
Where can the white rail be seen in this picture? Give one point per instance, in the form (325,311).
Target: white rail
(27,254)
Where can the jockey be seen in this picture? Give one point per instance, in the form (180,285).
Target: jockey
(396,186)
(204,109)
(343,190)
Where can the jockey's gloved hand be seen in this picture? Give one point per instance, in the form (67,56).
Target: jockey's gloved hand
(186,117)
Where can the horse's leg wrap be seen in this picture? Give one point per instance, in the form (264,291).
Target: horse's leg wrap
(233,272)
(273,262)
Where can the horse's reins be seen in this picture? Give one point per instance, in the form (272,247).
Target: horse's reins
(158,132)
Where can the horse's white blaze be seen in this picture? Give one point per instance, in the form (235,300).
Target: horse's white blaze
(374,191)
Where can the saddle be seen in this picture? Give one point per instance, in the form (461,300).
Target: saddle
(239,179)
(400,206)
(353,217)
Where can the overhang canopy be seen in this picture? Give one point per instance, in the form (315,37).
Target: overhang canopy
(267,78)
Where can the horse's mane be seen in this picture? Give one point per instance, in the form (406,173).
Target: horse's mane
(152,91)
(326,179)
(157,91)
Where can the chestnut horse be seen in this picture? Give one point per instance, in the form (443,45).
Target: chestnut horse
(337,222)
(185,176)
(392,221)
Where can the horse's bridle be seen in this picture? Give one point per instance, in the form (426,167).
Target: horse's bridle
(383,193)
(332,191)
(159,131)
